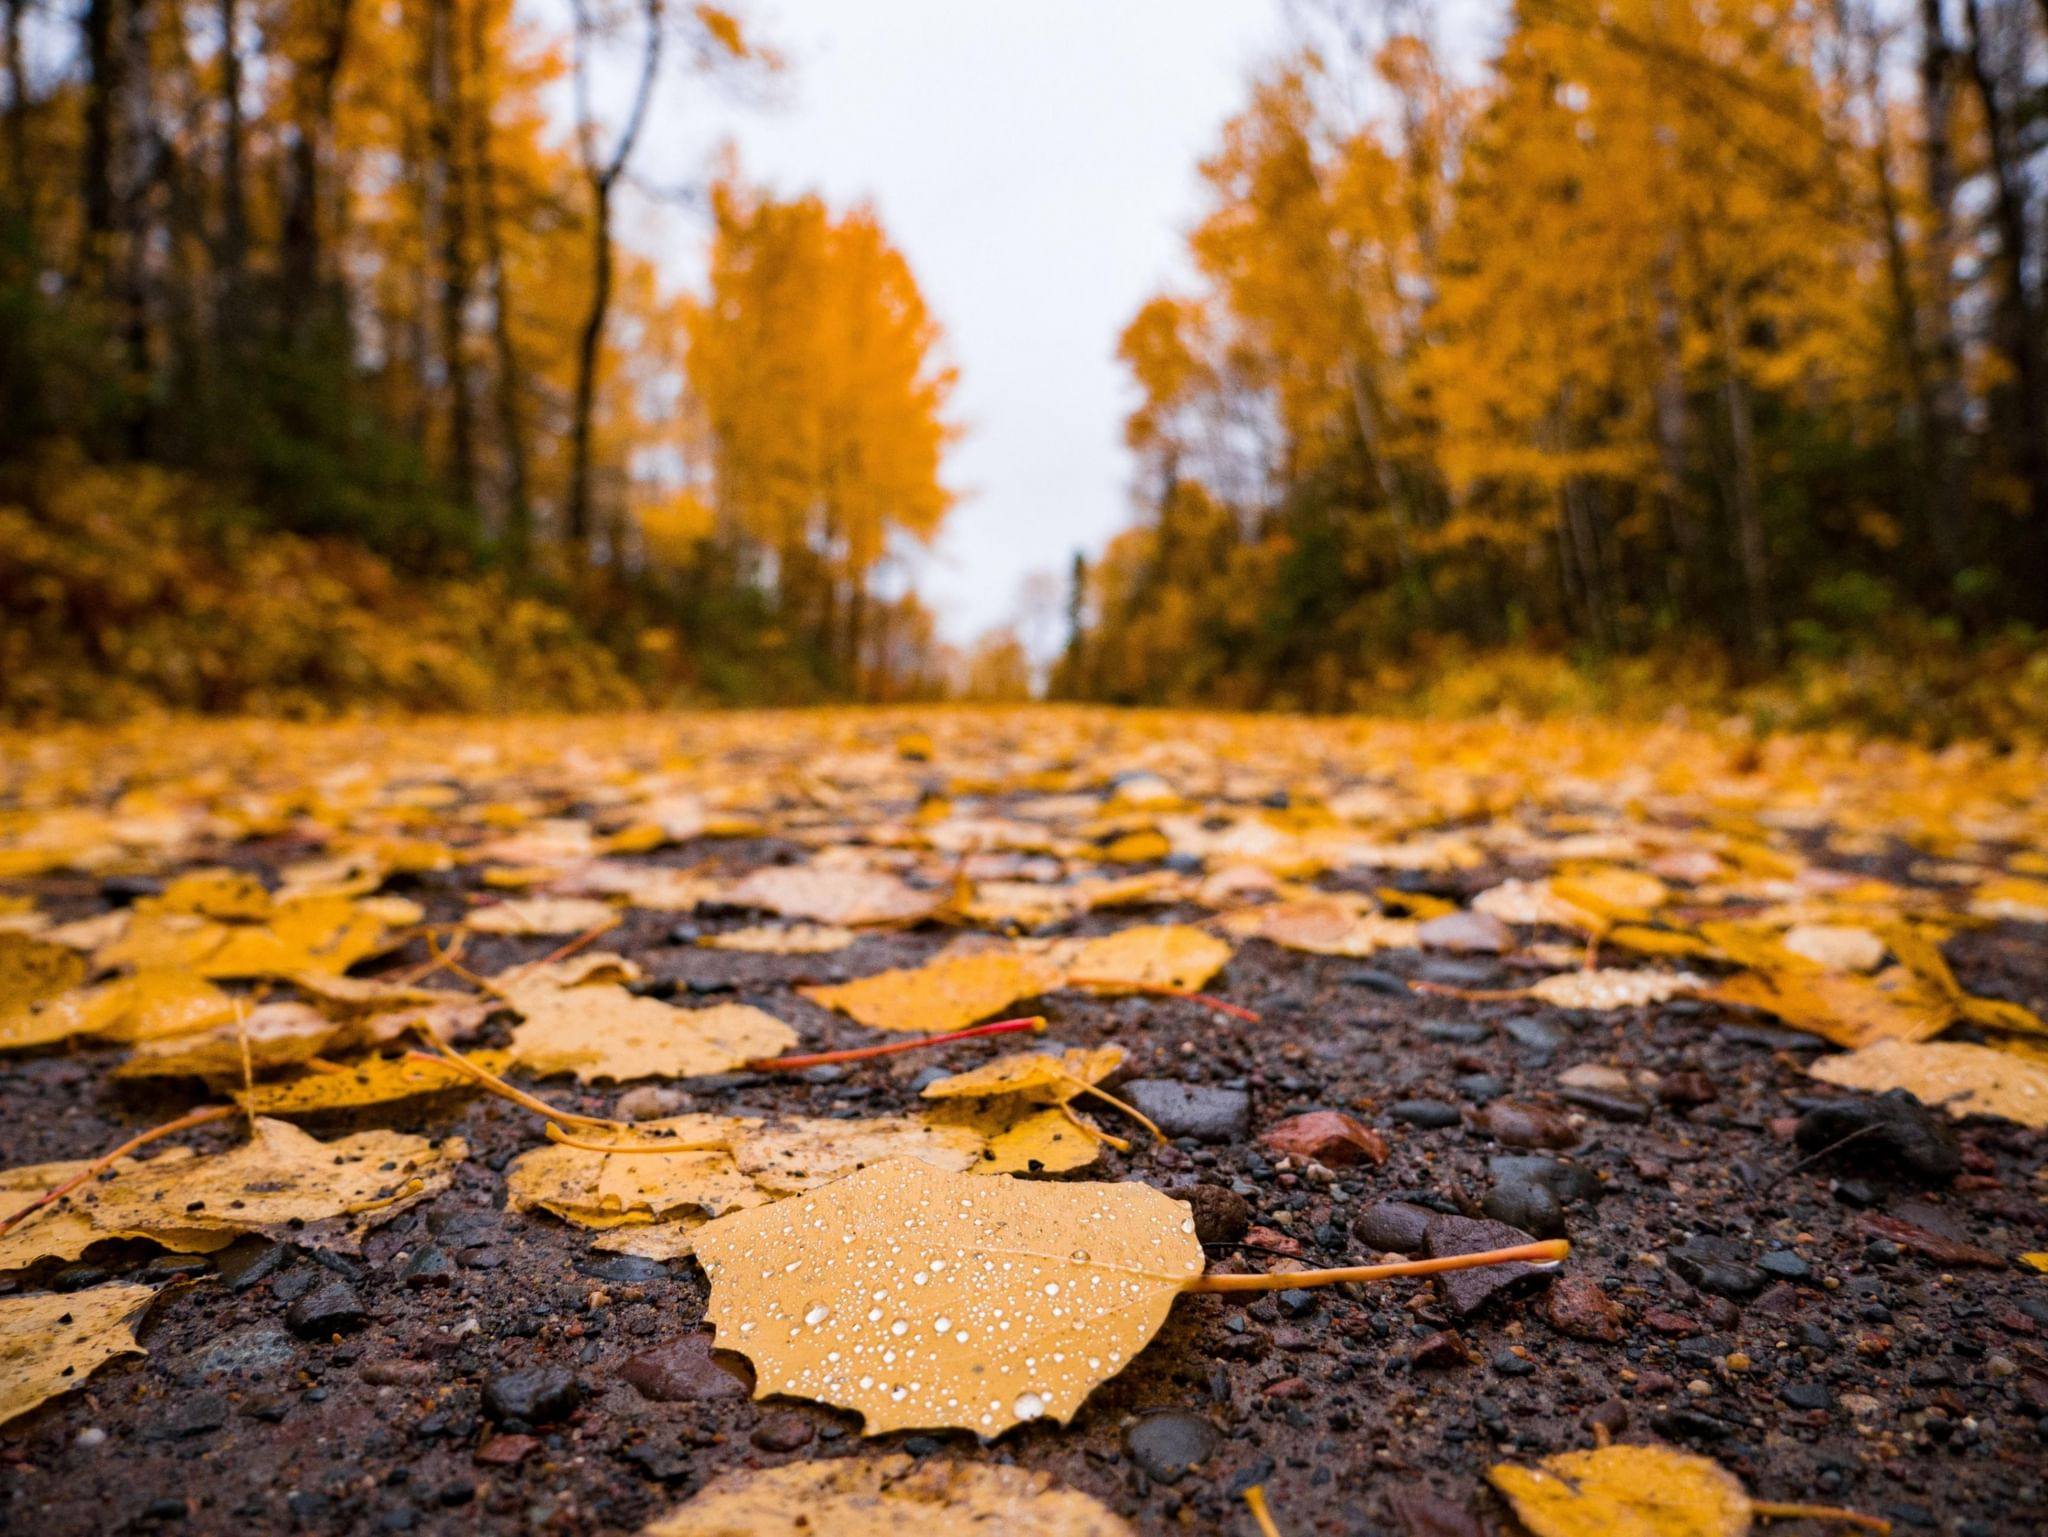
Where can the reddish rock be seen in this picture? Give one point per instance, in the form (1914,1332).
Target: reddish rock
(1686,1089)
(1518,1125)
(1442,1348)
(682,1370)
(1273,1242)
(1675,1325)
(400,1374)
(1946,1251)
(1328,1137)
(504,1451)
(1287,1387)
(1578,1307)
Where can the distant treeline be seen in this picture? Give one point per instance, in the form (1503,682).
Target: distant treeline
(320,294)
(1697,331)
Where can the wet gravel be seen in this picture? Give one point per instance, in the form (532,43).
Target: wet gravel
(1835,1321)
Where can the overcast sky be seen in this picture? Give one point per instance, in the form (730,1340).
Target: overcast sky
(1036,162)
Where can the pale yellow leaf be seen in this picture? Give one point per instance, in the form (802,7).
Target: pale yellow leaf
(923,1299)
(51,1342)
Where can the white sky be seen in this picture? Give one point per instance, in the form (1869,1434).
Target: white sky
(1036,162)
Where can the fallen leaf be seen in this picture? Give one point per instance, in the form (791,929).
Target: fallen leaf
(1625,1491)
(1174,956)
(603,1031)
(1962,1079)
(1041,1076)
(797,939)
(541,915)
(324,1194)
(33,971)
(844,898)
(1324,927)
(850,1497)
(949,993)
(600,1189)
(923,1299)
(1605,990)
(371,1081)
(799,1154)
(51,1342)
(1835,946)
(1850,1011)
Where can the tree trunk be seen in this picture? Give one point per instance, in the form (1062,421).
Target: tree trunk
(234,205)
(20,186)
(2018,323)
(1937,283)
(445,106)
(518,530)
(102,93)
(303,260)
(588,347)
(1743,496)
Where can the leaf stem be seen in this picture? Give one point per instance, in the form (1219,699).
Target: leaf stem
(203,1116)
(1547,1251)
(1110,1099)
(448,1056)
(1255,1501)
(1035,1022)
(1774,1510)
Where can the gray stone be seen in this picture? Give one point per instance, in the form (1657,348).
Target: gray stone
(257,1349)
(680,1371)
(325,1310)
(1192,1109)
(1883,1133)
(533,1395)
(1169,1444)
(1393,1227)
(1431,1114)
(1526,1205)
(1467,1291)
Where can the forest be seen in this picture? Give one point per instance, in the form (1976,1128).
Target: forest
(329,373)
(1706,343)
(1625,354)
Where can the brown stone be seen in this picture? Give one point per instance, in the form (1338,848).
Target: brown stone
(504,1451)
(1466,933)
(682,1370)
(1578,1307)
(1327,1137)
(1519,1125)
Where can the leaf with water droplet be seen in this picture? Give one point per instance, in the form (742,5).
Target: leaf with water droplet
(603,1031)
(900,1249)
(850,1497)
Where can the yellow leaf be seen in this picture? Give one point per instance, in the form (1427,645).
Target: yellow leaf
(281,1180)
(1962,1079)
(1836,946)
(371,1081)
(593,1188)
(542,915)
(850,1497)
(1850,1011)
(2035,1261)
(797,939)
(1174,956)
(949,993)
(800,1154)
(32,971)
(1001,1301)
(603,1031)
(1625,1491)
(51,1342)
(846,898)
(212,894)
(1323,926)
(1044,1078)
(1607,989)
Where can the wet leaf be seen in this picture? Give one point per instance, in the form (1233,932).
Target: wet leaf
(1962,1079)
(603,1031)
(371,1081)
(798,1154)
(797,939)
(1848,1010)
(844,898)
(949,993)
(1606,990)
(1043,1077)
(1173,956)
(51,1342)
(1625,1491)
(33,971)
(542,915)
(324,1194)
(853,1497)
(923,1299)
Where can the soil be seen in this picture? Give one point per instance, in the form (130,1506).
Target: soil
(1851,1369)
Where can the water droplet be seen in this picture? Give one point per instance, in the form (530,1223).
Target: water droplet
(1029,1406)
(817,1314)
(941,1324)
(899,1328)
(922,1277)
(874,1315)
(1080,1256)
(1052,1288)
(1187,1224)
